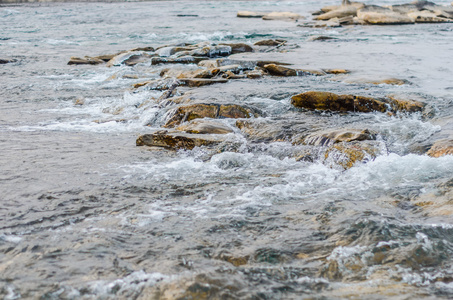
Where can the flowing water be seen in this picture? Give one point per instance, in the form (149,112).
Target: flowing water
(87,214)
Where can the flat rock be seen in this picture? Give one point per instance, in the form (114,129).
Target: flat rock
(282,16)
(197,82)
(7,61)
(278,70)
(342,11)
(202,110)
(87,60)
(427,17)
(239,47)
(128,58)
(405,103)
(200,126)
(316,100)
(441,148)
(178,60)
(387,18)
(250,14)
(336,71)
(178,140)
(262,129)
(328,8)
(334,136)
(270,42)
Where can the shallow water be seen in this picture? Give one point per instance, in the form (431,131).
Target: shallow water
(87,214)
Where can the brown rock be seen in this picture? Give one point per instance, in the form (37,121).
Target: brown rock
(210,64)
(197,82)
(336,71)
(213,111)
(270,42)
(250,14)
(239,48)
(342,11)
(177,140)
(205,127)
(278,70)
(347,154)
(85,61)
(401,103)
(330,101)
(441,148)
(330,137)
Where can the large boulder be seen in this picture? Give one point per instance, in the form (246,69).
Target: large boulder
(178,140)
(213,111)
(316,100)
(342,11)
(441,148)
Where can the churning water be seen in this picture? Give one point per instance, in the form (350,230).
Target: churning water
(87,214)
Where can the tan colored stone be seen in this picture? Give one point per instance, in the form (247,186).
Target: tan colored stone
(250,14)
(282,16)
(377,18)
(342,11)
(441,148)
(178,140)
(210,64)
(330,137)
(200,126)
(238,47)
(357,5)
(278,70)
(427,17)
(336,71)
(87,60)
(330,101)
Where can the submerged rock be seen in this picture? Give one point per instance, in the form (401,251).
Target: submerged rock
(270,42)
(334,136)
(128,58)
(178,140)
(213,111)
(343,103)
(177,60)
(197,82)
(7,61)
(404,103)
(441,148)
(205,127)
(347,154)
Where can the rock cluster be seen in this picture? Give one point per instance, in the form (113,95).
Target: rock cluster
(360,14)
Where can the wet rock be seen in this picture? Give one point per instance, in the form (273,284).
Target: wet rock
(254,74)
(178,140)
(197,82)
(357,5)
(383,18)
(427,17)
(336,71)
(7,61)
(159,84)
(250,14)
(262,130)
(441,148)
(146,49)
(177,60)
(390,81)
(210,64)
(282,16)
(205,127)
(213,111)
(342,11)
(270,42)
(321,38)
(345,103)
(334,22)
(404,103)
(330,137)
(404,8)
(347,154)
(278,70)
(238,48)
(79,101)
(87,60)
(128,58)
